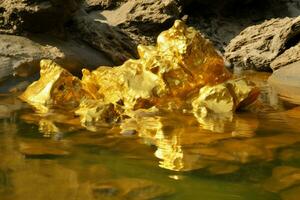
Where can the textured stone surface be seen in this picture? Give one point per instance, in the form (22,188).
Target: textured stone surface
(291,55)
(35,15)
(21,55)
(257,46)
(91,5)
(144,19)
(110,40)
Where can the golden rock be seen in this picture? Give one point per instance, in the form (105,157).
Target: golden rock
(56,88)
(182,71)
(224,98)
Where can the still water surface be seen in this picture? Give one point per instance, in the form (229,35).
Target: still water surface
(251,155)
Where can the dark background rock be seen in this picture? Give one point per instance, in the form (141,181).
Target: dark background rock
(35,15)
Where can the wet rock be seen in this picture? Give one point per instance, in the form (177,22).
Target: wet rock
(35,15)
(110,40)
(144,19)
(134,189)
(257,46)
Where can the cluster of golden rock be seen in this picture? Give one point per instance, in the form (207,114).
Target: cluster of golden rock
(182,72)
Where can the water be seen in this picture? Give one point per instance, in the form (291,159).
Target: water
(251,155)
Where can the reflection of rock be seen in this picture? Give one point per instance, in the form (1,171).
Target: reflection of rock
(257,46)
(283,177)
(40,149)
(291,194)
(290,154)
(134,189)
(8,106)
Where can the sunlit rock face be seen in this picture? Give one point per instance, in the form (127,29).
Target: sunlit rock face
(182,72)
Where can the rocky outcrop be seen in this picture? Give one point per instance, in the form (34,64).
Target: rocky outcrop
(105,38)
(21,56)
(291,55)
(258,46)
(144,19)
(35,15)
(220,21)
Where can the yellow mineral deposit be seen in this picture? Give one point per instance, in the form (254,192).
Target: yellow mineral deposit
(183,71)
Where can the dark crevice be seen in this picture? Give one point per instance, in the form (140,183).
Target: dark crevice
(293,41)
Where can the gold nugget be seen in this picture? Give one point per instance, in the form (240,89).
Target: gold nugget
(183,71)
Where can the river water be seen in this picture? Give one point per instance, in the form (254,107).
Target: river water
(250,155)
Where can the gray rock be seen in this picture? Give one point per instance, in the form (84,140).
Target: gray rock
(91,5)
(21,56)
(257,46)
(110,40)
(35,15)
(144,19)
(291,55)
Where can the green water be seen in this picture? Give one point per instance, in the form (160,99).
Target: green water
(74,164)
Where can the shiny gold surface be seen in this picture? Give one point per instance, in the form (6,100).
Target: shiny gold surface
(182,72)
(56,88)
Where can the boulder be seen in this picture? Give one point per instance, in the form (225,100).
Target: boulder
(144,19)
(35,15)
(290,56)
(110,40)
(259,45)
(20,55)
